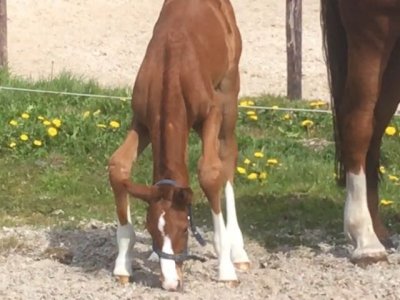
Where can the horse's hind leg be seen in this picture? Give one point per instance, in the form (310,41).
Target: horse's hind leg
(385,108)
(356,128)
(120,165)
(211,178)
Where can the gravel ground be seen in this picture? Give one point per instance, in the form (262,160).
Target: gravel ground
(77,264)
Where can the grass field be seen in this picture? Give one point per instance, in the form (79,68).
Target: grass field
(54,151)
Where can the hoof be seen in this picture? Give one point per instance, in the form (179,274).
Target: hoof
(242,266)
(369,258)
(231,283)
(123,279)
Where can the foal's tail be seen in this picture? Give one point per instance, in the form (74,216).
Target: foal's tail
(335,46)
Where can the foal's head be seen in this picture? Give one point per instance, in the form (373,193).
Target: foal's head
(167,222)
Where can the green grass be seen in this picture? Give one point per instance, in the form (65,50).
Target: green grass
(64,180)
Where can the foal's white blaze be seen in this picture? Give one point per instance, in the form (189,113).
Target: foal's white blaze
(238,253)
(357,219)
(125,240)
(168,266)
(222,244)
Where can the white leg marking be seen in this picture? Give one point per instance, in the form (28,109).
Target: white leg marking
(222,244)
(125,240)
(168,266)
(238,253)
(357,219)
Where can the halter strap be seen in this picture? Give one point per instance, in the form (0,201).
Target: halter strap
(166,182)
(181,257)
(194,229)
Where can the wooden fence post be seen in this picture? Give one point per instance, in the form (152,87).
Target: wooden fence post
(3,34)
(293,45)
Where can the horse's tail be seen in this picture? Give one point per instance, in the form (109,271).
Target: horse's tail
(335,46)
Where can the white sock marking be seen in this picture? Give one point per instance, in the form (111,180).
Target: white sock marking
(125,241)
(238,253)
(222,246)
(168,266)
(357,219)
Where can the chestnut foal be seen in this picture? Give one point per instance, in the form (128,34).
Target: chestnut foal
(188,79)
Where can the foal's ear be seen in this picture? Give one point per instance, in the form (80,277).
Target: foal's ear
(141,191)
(183,196)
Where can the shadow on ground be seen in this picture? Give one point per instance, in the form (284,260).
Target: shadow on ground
(293,220)
(94,249)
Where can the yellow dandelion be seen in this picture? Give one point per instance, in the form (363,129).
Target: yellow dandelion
(25,116)
(12,145)
(254,118)
(317,103)
(37,143)
(24,137)
(287,117)
(275,107)
(390,130)
(246,103)
(52,131)
(56,122)
(97,112)
(241,170)
(251,112)
(86,114)
(258,154)
(13,123)
(307,123)
(263,175)
(41,118)
(101,125)
(46,122)
(272,161)
(393,178)
(114,124)
(385,202)
(382,169)
(252,176)
(247,161)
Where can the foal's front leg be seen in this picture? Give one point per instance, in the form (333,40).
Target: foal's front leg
(120,166)
(212,178)
(228,154)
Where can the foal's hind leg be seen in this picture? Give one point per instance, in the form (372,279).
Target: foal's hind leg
(211,179)
(356,128)
(385,108)
(120,165)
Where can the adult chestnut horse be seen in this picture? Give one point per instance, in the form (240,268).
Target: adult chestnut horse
(188,79)
(363,54)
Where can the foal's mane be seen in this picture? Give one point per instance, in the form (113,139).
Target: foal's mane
(172,103)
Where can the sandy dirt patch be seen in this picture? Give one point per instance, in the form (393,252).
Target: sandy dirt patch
(106,40)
